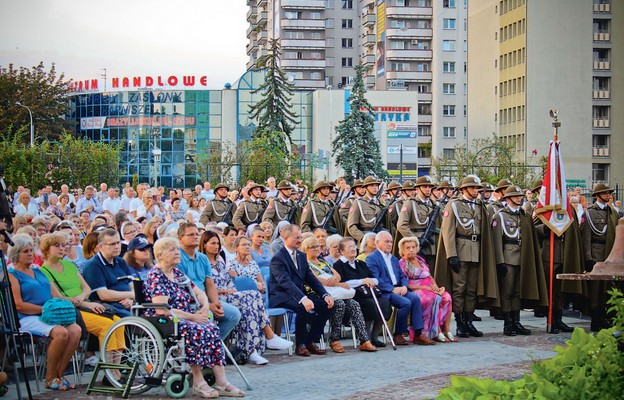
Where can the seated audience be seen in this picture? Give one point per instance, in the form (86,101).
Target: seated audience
(139,256)
(260,251)
(333,243)
(367,246)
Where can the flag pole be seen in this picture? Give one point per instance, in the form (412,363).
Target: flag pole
(556,124)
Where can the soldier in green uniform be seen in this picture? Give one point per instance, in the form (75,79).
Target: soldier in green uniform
(364,211)
(315,212)
(499,203)
(598,235)
(394,202)
(357,191)
(415,216)
(279,207)
(486,193)
(465,258)
(438,191)
(519,267)
(530,205)
(217,208)
(250,210)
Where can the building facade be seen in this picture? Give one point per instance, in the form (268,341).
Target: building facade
(527,57)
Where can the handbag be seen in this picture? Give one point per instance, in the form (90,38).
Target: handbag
(58,312)
(337,292)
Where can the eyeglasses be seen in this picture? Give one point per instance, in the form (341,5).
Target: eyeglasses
(131,232)
(112,244)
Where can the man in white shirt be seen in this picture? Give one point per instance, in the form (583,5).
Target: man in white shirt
(272,188)
(127,198)
(103,193)
(137,201)
(112,203)
(207,193)
(65,190)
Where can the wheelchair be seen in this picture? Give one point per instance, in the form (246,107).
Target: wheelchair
(156,346)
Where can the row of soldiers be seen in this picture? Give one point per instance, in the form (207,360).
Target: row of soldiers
(482,242)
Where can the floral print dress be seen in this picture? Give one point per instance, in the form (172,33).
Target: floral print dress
(202,342)
(248,334)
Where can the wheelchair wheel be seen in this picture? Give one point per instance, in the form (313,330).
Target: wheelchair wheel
(143,344)
(209,376)
(176,386)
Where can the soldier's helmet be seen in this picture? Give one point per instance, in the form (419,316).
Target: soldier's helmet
(284,185)
(470,181)
(408,185)
(602,188)
(503,184)
(320,185)
(256,185)
(425,180)
(513,190)
(220,186)
(488,187)
(445,184)
(394,185)
(537,186)
(370,180)
(356,184)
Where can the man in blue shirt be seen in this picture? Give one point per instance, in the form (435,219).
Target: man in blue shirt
(197,267)
(108,275)
(89,203)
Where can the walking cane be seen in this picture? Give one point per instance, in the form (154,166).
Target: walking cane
(385,324)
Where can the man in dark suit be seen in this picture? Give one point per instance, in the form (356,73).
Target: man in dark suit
(393,285)
(290,272)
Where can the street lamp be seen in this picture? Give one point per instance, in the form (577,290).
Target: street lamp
(32,127)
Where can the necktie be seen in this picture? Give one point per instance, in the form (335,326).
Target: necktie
(294,258)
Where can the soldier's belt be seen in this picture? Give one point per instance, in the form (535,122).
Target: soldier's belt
(419,230)
(472,238)
(517,242)
(599,241)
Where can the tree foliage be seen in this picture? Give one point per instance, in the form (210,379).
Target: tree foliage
(216,164)
(355,146)
(44,91)
(276,122)
(76,162)
(259,159)
(491,159)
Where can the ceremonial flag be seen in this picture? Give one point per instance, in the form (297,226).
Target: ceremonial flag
(552,206)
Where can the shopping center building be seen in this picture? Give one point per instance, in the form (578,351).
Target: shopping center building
(163,124)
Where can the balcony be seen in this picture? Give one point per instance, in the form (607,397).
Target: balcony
(251,13)
(262,18)
(369,19)
(369,40)
(601,151)
(602,8)
(309,84)
(303,43)
(368,59)
(303,4)
(262,3)
(602,94)
(424,119)
(409,12)
(601,122)
(409,33)
(251,45)
(369,80)
(602,65)
(262,37)
(425,97)
(602,36)
(303,64)
(303,23)
(409,76)
(392,54)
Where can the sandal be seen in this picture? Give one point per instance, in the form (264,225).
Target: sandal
(441,338)
(229,390)
(67,384)
(55,384)
(203,390)
(450,337)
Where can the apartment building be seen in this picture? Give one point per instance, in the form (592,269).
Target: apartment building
(527,57)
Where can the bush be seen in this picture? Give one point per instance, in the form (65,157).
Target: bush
(590,367)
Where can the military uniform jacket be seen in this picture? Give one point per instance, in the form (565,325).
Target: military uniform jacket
(362,217)
(530,206)
(343,211)
(461,228)
(215,211)
(392,217)
(507,236)
(247,213)
(277,210)
(314,213)
(598,232)
(414,217)
(493,208)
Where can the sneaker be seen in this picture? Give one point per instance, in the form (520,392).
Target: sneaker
(277,343)
(92,361)
(257,359)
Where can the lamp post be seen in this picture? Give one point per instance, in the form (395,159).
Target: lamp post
(32,127)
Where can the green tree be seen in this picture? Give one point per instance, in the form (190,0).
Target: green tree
(44,91)
(216,164)
(276,122)
(355,146)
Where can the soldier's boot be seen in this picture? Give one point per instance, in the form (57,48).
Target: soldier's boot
(508,327)
(554,328)
(461,326)
(475,317)
(472,330)
(562,325)
(596,320)
(497,314)
(521,330)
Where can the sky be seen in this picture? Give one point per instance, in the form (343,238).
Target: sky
(127,37)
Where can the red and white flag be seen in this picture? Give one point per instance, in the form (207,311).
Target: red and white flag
(552,206)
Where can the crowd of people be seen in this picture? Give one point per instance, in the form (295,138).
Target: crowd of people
(347,254)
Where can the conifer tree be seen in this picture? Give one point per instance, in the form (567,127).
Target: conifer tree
(355,146)
(276,122)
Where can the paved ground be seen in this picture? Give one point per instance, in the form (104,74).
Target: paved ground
(411,372)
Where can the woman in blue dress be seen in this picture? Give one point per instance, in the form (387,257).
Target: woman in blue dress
(260,250)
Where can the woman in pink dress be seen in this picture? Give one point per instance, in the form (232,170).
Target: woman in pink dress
(435,301)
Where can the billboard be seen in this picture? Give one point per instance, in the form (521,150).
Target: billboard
(380,63)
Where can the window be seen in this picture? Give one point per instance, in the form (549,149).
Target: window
(448,88)
(448,153)
(448,45)
(347,4)
(316,75)
(347,62)
(449,3)
(398,45)
(345,80)
(347,43)
(422,67)
(399,66)
(424,131)
(347,23)
(423,88)
(448,66)
(449,23)
(315,55)
(448,110)
(315,15)
(448,132)
(397,23)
